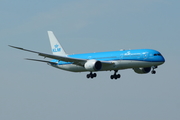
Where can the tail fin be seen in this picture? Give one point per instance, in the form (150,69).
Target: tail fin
(55,45)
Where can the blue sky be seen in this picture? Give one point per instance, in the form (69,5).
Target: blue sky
(32,90)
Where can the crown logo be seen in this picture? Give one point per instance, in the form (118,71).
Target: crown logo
(56,48)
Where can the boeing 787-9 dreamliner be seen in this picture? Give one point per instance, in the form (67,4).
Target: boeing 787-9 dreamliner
(142,61)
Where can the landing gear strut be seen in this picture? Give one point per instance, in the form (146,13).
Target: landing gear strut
(115,76)
(153,71)
(91,75)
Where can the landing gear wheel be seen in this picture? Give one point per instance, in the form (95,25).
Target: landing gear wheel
(94,75)
(115,76)
(91,75)
(88,76)
(118,76)
(112,76)
(153,72)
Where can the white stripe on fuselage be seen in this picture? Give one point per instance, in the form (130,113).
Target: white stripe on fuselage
(118,65)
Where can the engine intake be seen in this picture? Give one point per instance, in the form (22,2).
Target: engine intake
(142,70)
(93,65)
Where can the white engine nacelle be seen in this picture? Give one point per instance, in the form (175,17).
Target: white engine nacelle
(93,65)
(142,70)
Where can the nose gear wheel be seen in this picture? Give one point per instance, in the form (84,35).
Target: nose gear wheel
(153,71)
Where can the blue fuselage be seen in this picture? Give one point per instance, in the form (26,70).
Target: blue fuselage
(123,59)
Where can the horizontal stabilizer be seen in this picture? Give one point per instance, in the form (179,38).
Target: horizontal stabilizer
(41,61)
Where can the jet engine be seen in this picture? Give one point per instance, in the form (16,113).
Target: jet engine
(142,70)
(93,65)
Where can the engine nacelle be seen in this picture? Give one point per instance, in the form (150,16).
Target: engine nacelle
(142,70)
(93,65)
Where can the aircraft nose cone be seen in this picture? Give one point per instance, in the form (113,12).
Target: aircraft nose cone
(162,60)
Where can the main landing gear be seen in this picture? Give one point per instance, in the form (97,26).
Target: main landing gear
(115,76)
(153,71)
(91,75)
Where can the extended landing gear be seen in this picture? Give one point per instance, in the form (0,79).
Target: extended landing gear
(153,71)
(91,75)
(115,76)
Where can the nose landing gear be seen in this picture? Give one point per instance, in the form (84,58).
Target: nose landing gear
(153,71)
(115,76)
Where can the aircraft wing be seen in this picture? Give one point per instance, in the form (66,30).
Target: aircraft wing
(76,61)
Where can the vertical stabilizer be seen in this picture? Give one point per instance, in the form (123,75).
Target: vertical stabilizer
(55,45)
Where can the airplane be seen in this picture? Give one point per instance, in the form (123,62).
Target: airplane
(142,61)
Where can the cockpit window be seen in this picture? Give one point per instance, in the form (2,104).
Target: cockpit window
(157,54)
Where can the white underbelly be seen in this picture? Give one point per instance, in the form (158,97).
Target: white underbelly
(118,65)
